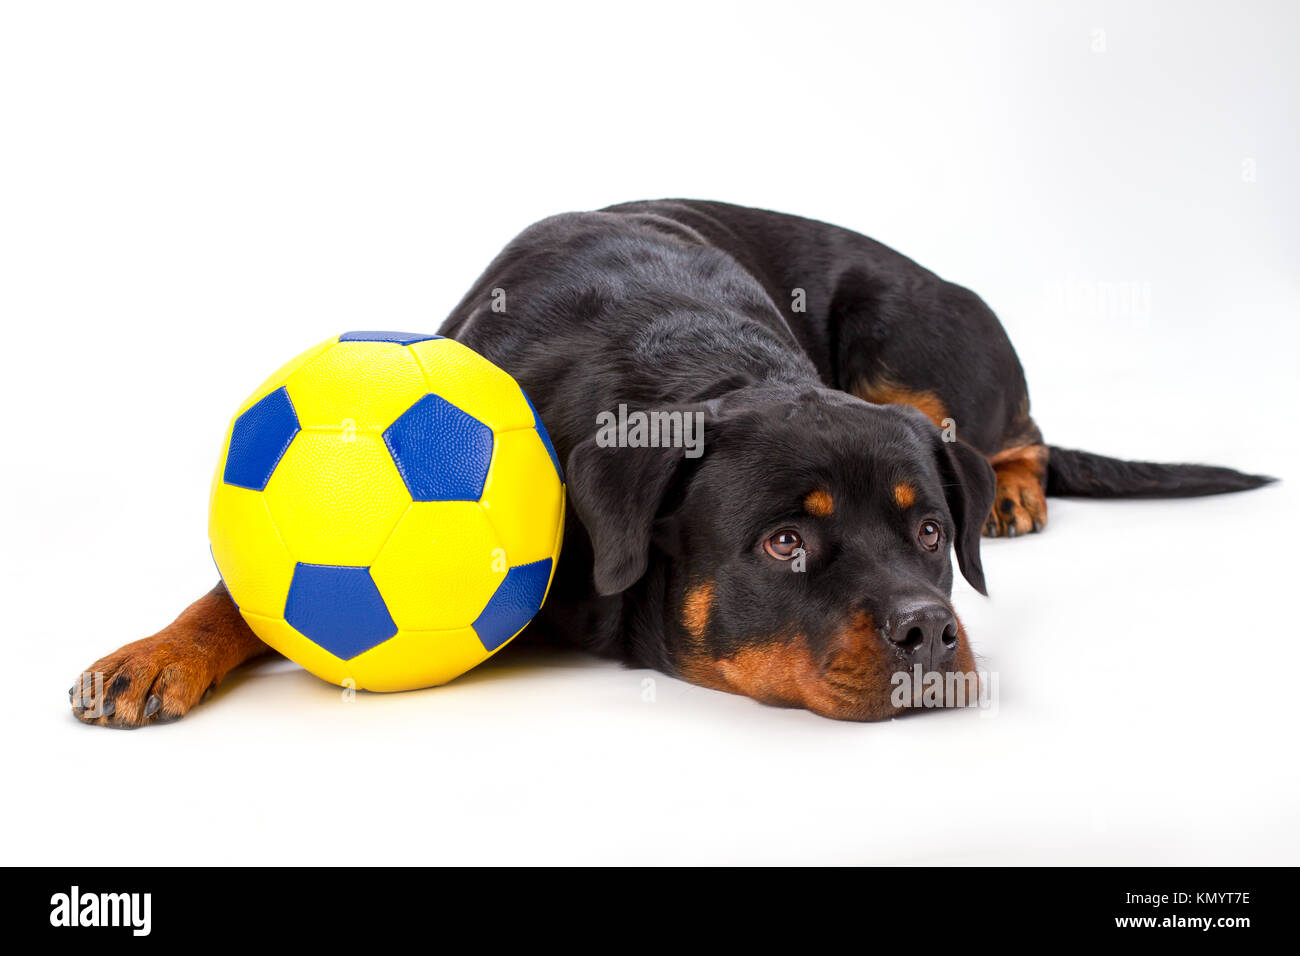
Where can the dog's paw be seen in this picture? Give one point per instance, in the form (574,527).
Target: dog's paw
(1020,504)
(151,681)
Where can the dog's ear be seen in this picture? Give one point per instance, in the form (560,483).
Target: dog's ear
(619,494)
(969,485)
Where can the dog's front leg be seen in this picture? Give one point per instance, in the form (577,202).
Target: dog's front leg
(161,677)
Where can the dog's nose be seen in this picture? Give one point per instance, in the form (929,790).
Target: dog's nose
(925,634)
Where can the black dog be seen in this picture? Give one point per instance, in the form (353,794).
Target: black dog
(861,419)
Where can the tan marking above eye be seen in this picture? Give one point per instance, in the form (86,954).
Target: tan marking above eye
(904,495)
(819,503)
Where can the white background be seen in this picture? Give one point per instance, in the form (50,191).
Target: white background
(191,193)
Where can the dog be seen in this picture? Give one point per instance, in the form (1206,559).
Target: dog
(863,420)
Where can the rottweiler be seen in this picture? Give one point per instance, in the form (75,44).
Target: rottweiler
(861,420)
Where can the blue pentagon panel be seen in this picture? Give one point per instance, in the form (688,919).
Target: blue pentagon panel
(546,439)
(259,440)
(441,453)
(514,603)
(399,338)
(339,608)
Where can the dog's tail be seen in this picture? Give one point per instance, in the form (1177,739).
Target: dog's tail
(1087,475)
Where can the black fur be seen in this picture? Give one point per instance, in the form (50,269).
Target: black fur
(692,306)
(1085,475)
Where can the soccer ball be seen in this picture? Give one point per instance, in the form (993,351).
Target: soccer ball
(387,510)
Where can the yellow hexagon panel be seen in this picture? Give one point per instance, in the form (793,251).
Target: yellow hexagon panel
(473,384)
(277,378)
(336,498)
(523,496)
(248,550)
(559,542)
(356,386)
(440,566)
(412,659)
(307,654)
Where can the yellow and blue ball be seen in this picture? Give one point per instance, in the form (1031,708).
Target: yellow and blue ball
(387,510)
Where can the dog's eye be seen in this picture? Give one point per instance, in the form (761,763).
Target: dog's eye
(928,534)
(783,544)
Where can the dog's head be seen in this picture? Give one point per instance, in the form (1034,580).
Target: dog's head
(804,556)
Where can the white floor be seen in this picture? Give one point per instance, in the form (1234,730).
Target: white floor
(1145,713)
(1130,212)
